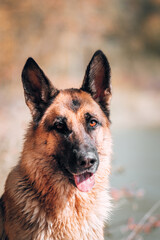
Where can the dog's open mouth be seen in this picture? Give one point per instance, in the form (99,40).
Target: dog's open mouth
(84,181)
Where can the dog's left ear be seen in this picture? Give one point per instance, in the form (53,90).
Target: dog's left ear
(97,80)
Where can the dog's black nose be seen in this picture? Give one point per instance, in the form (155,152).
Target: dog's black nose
(88,160)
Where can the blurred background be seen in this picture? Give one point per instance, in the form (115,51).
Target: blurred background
(62,37)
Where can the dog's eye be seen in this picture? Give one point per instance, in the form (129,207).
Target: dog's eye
(93,123)
(61,127)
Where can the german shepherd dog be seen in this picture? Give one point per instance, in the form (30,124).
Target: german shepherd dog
(59,189)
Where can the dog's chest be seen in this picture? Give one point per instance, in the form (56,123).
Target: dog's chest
(74,221)
(71,229)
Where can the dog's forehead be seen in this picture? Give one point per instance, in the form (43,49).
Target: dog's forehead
(73,99)
(73,104)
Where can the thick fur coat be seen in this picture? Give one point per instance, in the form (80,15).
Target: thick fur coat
(55,192)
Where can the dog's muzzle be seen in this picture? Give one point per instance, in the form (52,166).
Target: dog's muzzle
(83,166)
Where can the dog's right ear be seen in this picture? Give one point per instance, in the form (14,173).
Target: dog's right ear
(97,81)
(38,90)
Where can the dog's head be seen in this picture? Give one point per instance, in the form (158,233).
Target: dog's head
(69,126)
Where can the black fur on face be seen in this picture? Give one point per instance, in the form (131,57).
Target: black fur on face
(73,154)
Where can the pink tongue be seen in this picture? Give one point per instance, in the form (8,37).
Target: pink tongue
(84,182)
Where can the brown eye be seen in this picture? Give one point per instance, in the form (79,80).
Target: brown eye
(93,123)
(60,125)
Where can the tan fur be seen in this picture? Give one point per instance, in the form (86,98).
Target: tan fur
(39,201)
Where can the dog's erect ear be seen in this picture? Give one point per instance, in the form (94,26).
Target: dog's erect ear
(97,80)
(38,90)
